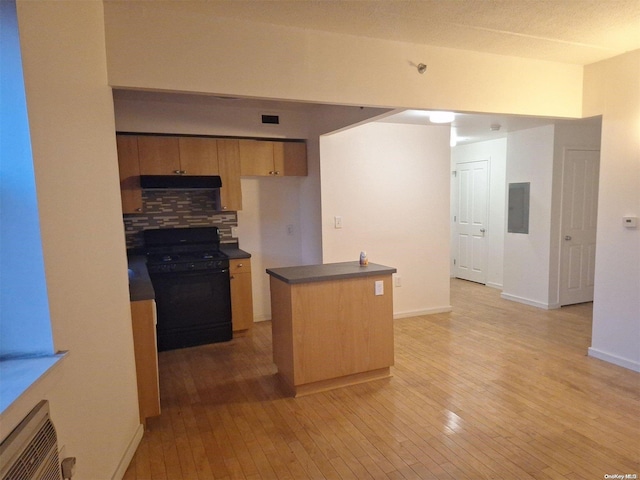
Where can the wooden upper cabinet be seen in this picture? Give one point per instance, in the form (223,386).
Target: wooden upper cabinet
(129,168)
(198,155)
(272,158)
(174,155)
(256,158)
(290,158)
(159,155)
(229,171)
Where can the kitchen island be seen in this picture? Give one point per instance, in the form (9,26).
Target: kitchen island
(332,325)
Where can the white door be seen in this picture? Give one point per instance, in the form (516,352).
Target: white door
(470,221)
(579,214)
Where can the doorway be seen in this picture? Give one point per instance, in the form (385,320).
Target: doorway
(580,174)
(470,221)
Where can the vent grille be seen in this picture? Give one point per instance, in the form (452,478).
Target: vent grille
(271,119)
(30,452)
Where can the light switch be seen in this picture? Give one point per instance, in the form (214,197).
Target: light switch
(337,222)
(379,288)
(630,222)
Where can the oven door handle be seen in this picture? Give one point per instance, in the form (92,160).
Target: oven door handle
(189,273)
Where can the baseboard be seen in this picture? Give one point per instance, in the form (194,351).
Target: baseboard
(497,286)
(526,301)
(417,313)
(129,453)
(621,362)
(261,318)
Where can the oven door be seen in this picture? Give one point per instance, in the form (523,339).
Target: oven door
(194,308)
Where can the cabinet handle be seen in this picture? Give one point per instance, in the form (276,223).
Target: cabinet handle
(224,207)
(231,277)
(177,172)
(272,172)
(277,172)
(240,265)
(138,209)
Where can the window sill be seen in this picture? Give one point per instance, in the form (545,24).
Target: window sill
(20,376)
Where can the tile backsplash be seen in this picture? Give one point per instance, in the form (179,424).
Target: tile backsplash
(177,208)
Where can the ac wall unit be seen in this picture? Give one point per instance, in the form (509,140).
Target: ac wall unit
(30,452)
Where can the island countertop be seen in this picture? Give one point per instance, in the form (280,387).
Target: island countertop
(328,271)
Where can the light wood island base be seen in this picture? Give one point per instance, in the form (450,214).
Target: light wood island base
(329,327)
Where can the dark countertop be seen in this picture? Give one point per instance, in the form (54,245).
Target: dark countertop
(329,271)
(233,251)
(140,287)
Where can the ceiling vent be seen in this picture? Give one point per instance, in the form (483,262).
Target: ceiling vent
(271,119)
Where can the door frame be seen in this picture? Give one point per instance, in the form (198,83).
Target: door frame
(455,212)
(561,227)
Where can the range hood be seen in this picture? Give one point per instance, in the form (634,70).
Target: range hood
(180,182)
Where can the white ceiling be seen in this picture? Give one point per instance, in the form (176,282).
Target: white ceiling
(568,31)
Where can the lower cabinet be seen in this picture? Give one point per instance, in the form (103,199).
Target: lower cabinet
(143,316)
(241,295)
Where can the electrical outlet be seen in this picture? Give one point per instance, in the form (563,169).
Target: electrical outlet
(289,229)
(234,232)
(397,280)
(337,222)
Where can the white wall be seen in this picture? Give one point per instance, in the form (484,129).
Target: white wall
(390,185)
(148,47)
(613,90)
(495,152)
(526,256)
(94,399)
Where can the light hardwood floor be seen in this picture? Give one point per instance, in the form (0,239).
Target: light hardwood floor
(493,390)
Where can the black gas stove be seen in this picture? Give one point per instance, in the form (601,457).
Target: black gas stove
(184,249)
(172,262)
(190,277)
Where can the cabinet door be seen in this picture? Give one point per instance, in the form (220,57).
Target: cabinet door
(290,158)
(129,167)
(158,155)
(241,294)
(229,165)
(143,317)
(256,158)
(198,156)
